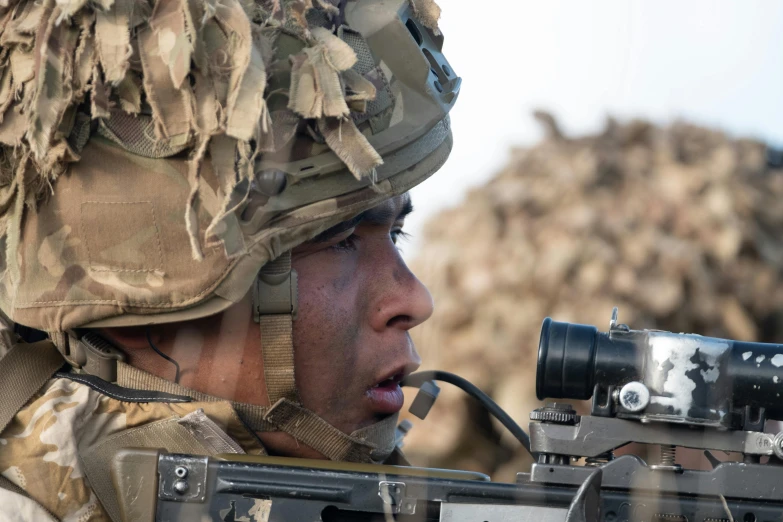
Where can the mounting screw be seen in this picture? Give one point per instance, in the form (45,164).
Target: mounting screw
(634,397)
(181,471)
(181,487)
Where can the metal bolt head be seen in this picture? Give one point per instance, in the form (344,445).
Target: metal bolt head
(181,487)
(270,182)
(634,397)
(181,471)
(777,445)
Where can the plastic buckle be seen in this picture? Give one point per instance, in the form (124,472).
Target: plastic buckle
(275,294)
(101,357)
(70,348)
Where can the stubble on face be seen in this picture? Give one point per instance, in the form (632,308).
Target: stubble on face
(327,342)
(339,354)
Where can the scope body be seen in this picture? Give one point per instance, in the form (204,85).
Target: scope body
(653,375)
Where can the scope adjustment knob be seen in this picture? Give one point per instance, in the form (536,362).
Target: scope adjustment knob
(555,413)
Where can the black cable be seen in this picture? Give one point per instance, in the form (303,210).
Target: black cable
(169,359)
(417,379)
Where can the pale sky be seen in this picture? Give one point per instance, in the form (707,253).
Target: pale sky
(714,62)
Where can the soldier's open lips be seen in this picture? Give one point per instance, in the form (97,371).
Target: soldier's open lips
(386,396)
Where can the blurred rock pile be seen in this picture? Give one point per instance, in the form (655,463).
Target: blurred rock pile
(680,227)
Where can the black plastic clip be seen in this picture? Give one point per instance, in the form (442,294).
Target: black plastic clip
(428,393)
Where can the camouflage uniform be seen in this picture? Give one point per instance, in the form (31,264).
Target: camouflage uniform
(41,450)
(153,157)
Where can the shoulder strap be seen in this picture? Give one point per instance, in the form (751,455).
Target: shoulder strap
(131,377)
(23,371)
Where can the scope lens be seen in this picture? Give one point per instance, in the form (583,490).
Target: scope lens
(566,356)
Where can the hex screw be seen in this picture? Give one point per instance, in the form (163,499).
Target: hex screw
(181,472)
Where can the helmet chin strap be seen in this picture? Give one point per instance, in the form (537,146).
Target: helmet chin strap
(372,444)
(274,309)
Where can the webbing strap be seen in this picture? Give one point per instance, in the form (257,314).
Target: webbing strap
(7,484)
(275,300)
(23,371)
(310,429)
(131,377)
(278,351)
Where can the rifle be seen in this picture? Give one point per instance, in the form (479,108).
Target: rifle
(647,386)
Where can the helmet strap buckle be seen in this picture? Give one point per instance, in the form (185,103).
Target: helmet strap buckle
(275,289)
(275,294)
(98,355)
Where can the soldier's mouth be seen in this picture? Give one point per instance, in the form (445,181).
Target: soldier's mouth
(386,396)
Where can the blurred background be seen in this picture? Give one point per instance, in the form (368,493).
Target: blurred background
(607,153)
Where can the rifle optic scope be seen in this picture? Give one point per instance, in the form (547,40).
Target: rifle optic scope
(661,376)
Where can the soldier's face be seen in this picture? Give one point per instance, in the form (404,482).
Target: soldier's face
(357,301)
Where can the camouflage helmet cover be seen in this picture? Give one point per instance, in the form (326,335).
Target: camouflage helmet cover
(154,157)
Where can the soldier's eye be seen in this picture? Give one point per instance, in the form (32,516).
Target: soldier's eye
(349,244)
(397,234)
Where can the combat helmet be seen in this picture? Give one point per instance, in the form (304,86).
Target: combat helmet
(158,160)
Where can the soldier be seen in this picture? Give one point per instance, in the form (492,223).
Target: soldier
(199,204)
